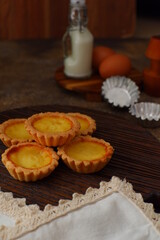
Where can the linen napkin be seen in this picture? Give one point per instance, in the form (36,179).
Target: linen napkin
(112,212)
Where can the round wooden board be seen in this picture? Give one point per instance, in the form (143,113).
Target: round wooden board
(90,87)
(136,158)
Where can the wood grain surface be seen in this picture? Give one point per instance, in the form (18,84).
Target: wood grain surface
(28,19)
(91,87)
(136,158)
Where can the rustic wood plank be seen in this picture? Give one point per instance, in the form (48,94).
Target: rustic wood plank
(112,19)
(91,87)
(136,158)
(5,19)
(32,18)
(25,19)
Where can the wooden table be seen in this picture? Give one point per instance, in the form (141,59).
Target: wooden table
(27,71)
(136,158)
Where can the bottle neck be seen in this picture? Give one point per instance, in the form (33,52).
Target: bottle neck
(78,17)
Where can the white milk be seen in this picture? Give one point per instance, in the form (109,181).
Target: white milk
(79,63)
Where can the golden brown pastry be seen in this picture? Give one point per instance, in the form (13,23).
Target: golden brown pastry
(88,124)
(29,161)
(52,128)
(85,154)
(13,131)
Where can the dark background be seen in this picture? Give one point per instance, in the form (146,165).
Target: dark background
(148,8)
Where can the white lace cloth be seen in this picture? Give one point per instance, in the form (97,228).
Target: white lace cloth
(114,211)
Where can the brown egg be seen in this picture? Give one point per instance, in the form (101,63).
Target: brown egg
(99,54)
(117,64)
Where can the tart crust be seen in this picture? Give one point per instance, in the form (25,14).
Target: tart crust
(29,161)
(52,128)
(87,124)
(86,154)
(13,132)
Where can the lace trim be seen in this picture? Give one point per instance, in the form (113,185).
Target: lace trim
(29,217)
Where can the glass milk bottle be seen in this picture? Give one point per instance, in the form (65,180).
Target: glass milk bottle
(78,42)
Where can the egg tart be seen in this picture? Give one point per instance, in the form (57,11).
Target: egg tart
(13,132)
(85,154)
(29,161)
(87,124)
(52,128)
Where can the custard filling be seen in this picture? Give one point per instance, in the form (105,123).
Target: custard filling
(17,131)
(52,125)
(30,157)
(86,151)
(83,123)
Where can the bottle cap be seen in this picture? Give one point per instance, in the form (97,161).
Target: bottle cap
(80,2)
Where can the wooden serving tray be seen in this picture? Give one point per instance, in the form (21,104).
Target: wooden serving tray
(90,88)
(136,158)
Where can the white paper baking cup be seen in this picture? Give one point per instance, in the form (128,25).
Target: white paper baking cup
(120,91)
(146,111)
